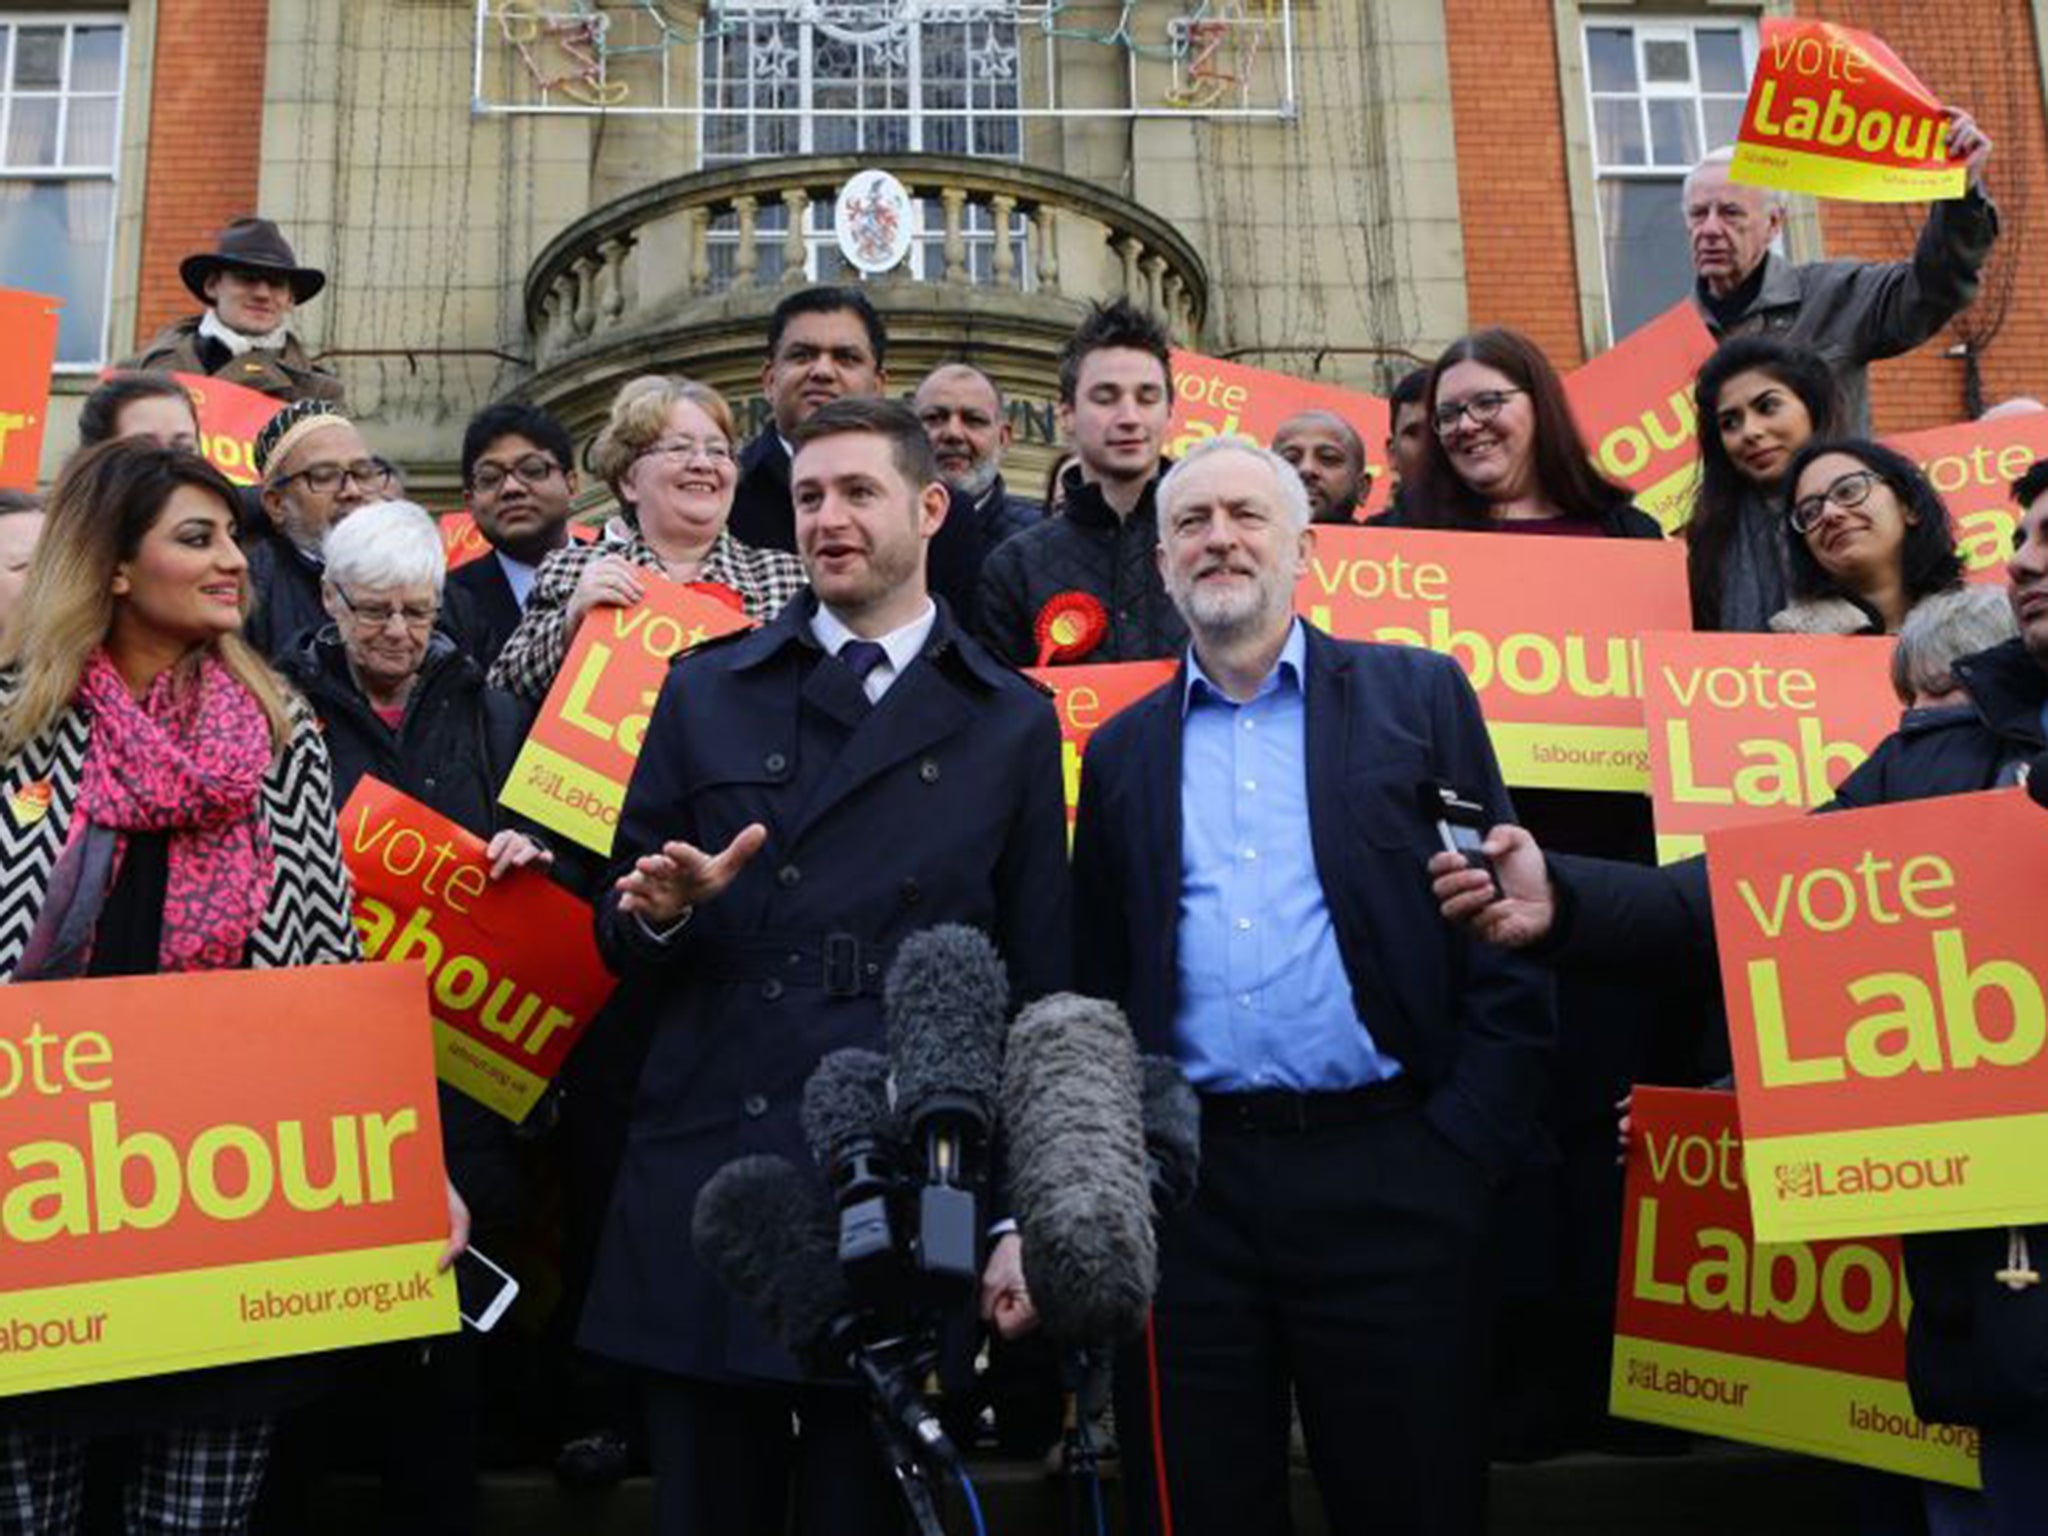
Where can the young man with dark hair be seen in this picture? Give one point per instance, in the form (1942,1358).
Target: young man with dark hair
(810,794)
(1084,586)
(519,471)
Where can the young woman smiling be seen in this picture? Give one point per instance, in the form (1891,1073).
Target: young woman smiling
(1866,538)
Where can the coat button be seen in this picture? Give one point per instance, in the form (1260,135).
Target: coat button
(913,893)
(928,770)
(755,1106)
(774,762)
(771,989)
(788,877)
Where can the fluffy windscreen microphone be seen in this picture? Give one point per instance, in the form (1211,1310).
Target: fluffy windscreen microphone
(852,1133)
(765,1229)
(1173,1132)
(1076,1135)
(945,1000)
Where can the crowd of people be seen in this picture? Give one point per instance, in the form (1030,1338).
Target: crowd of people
(1404,1241)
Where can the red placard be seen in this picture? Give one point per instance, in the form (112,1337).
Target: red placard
(1214,398)
(1088,697)
(462,541)
(29,321)
(1634,407)
(507,1011)
(1973,465)
(230,416)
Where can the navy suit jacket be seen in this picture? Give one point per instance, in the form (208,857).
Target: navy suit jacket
(494,610)
(1471,1024)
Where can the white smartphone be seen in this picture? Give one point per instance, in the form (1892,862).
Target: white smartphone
(482,1290)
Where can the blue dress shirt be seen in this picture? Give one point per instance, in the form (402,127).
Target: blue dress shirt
(1264,999)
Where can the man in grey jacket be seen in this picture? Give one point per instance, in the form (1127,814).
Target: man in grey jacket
(1851,312)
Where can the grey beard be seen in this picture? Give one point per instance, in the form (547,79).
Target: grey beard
(975,483)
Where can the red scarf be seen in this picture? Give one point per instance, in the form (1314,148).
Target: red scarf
(188,759)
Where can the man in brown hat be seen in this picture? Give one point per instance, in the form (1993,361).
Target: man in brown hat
(250,283)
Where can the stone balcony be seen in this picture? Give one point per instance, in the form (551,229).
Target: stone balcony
(680,277)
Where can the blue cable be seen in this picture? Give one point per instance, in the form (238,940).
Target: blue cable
(973,1501)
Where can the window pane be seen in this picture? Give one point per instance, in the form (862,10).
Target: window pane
(1721,61)
(1648,267)
(1619,128)
(1724,119)
(1611,55)
(1674,133)
(96,59)
(39,57)
(89,131)
(32,131)
(6,49)
(53,239)
(1667,60)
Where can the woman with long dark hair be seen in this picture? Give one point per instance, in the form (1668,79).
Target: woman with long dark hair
(1866,538)
(1760,401)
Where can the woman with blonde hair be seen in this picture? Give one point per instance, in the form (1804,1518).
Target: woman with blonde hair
(167,811)
(667,454)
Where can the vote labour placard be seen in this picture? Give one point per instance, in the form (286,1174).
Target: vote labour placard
(1633,404)
(1213,398)
(572,773)
(1087,697)
(1545,628)
(1796,1345)
(1833,111)
(462,541)
(204,1168)
(507,1011)
(29,322)
(1973,465)
(229,419)
(1885,971)
(1753,728)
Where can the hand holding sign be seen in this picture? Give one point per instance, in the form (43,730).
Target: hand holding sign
(1966,142)
(662,887)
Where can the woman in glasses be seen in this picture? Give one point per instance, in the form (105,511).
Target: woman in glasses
(667,454)
(1504,455)
(1866,538)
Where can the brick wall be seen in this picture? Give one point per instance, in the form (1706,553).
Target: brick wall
(205,140)
(1976,54)
(1520,269)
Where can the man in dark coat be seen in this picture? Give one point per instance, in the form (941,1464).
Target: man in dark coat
(827,344)
(809,795)
(1977,1342)
(250,283)
(964,415)
(1248,886)
(519,472)
(1084,586)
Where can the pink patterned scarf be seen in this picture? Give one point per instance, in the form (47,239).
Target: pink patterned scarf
(188,759)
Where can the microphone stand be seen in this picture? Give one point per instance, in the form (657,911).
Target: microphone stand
(911,1440)
(1084,1373)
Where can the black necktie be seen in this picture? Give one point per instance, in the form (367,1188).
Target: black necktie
(862,657)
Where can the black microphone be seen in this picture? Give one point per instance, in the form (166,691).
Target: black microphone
(852,1134)
(945,1000)
(1076,1167)
(766,1231)
(1173,1132)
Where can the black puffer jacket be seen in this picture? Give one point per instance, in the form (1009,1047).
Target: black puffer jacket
(1087,548)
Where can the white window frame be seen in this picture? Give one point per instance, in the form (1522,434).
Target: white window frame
(1651,29)
(110,173)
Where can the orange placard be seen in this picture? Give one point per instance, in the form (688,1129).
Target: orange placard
(212,1167)
(1214,398)
(571,774)
(1545,628)
(506,1011)
(462,541)
(1973,465)
(230,416)
(1795,1345)
(1887,981)
(1633,404)
(1833,111)
(1752,728)
(1087,698)
(29,321)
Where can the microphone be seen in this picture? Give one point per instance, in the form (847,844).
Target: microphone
(765,1230)
(1173,1132)
(852,1134)
(945,999)
(1073,1115)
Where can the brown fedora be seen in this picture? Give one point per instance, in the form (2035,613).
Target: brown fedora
(256,244)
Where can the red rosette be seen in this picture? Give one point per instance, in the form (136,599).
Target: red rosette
(1069,626)
(719,592)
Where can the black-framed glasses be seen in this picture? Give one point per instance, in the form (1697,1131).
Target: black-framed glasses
(380,615)
(531,468)
(370,474)
(1482,408)
(1850,490)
